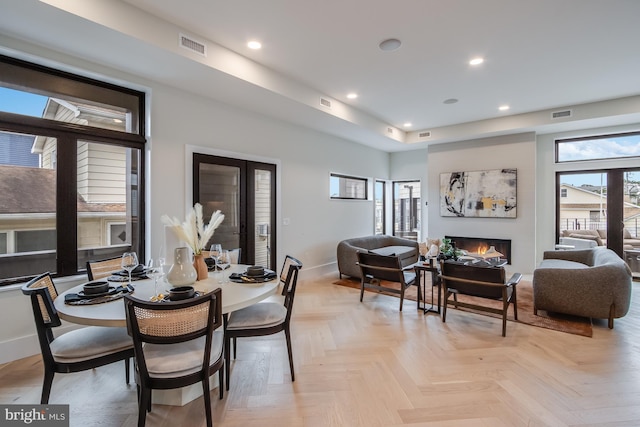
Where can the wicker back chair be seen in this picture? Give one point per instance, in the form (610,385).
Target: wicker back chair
(74,351)
(176,344)
(104,268)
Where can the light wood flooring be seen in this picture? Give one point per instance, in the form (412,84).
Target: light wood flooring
(366,364)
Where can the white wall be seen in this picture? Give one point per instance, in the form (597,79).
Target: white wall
(511,151)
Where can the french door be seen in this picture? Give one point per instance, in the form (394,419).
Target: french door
(245,193)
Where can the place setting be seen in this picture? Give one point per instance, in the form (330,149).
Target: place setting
(97,292)
(253,274)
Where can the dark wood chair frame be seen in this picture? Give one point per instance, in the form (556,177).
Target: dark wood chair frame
(376,268)
(288,291)
(41,300)
(147,383)
(482,282)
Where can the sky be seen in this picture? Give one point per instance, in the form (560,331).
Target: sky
(14,101)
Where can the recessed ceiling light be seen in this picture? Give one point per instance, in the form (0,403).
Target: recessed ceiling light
(407,124)
(117,121)
(503,107)
(476,61)
(390,44)
(352,95)
(450,101)
(254,44)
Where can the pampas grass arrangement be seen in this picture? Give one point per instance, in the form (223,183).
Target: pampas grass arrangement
(193,231)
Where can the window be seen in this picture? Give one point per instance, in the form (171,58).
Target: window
(598,147)
(379,207)
(71,170)
(348,187)
(406,209)
(563,192)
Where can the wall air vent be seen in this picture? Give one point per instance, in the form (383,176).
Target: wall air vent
(187,42)
(325,102)
(561,114)
(425,134)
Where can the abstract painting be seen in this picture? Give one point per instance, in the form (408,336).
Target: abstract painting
(479,194)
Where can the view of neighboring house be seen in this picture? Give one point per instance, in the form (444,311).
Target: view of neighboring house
(28,224)
(584,208)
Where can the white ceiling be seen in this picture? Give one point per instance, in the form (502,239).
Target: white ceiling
(539,55)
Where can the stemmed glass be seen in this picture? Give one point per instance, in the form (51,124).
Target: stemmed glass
(214,253)
(224,260)
(155,269)
(129,263)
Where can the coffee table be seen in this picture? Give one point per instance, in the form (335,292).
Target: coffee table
(632,257)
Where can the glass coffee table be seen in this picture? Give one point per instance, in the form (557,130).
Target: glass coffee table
(632,257)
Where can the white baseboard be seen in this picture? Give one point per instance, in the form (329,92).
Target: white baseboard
(19,348)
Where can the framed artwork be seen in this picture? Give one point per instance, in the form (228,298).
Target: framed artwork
(479,194)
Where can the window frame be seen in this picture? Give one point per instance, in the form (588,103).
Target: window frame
(365,181)
(45,80)
(559,142)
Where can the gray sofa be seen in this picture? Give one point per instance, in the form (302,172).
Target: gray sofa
(581,239)
(406,249)
(586,282)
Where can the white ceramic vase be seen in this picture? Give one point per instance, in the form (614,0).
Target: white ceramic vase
(182,272)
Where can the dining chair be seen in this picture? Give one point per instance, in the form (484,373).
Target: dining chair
(176,344)
(481,282)
(77,350)
(376,269)
(265,318)
(103,268)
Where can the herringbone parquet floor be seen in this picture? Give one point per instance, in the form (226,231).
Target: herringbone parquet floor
(366,364)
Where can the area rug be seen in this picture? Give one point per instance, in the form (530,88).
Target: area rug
(555,321)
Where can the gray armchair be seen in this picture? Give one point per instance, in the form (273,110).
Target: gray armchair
(587,282)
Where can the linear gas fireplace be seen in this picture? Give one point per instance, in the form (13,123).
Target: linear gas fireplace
(479,245)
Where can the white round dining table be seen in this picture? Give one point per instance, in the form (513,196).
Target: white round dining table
(234,297)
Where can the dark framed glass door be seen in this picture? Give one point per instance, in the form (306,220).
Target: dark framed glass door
(245,193)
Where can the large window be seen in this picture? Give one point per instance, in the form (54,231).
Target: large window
(380,195)
(71,171)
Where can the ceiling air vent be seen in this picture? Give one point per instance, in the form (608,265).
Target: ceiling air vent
(193,45)
(424,134)
(561,114)
(325,102)
(389,130)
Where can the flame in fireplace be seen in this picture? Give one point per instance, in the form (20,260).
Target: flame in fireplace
(482,248)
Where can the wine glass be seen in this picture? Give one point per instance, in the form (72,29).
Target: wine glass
(224,260)
(155,269)
(129,263)
(214,253)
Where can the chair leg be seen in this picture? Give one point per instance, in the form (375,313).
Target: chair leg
(287,335)
(221,382)
(515,303)
(612,309)
(401,295)
(505,307)
(143,404)
(444,306)
(127,369)
(46,385)
(227,359)
(206,394)
(361,289)
(235,347)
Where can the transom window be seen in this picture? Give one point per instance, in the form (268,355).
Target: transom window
(598,147)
